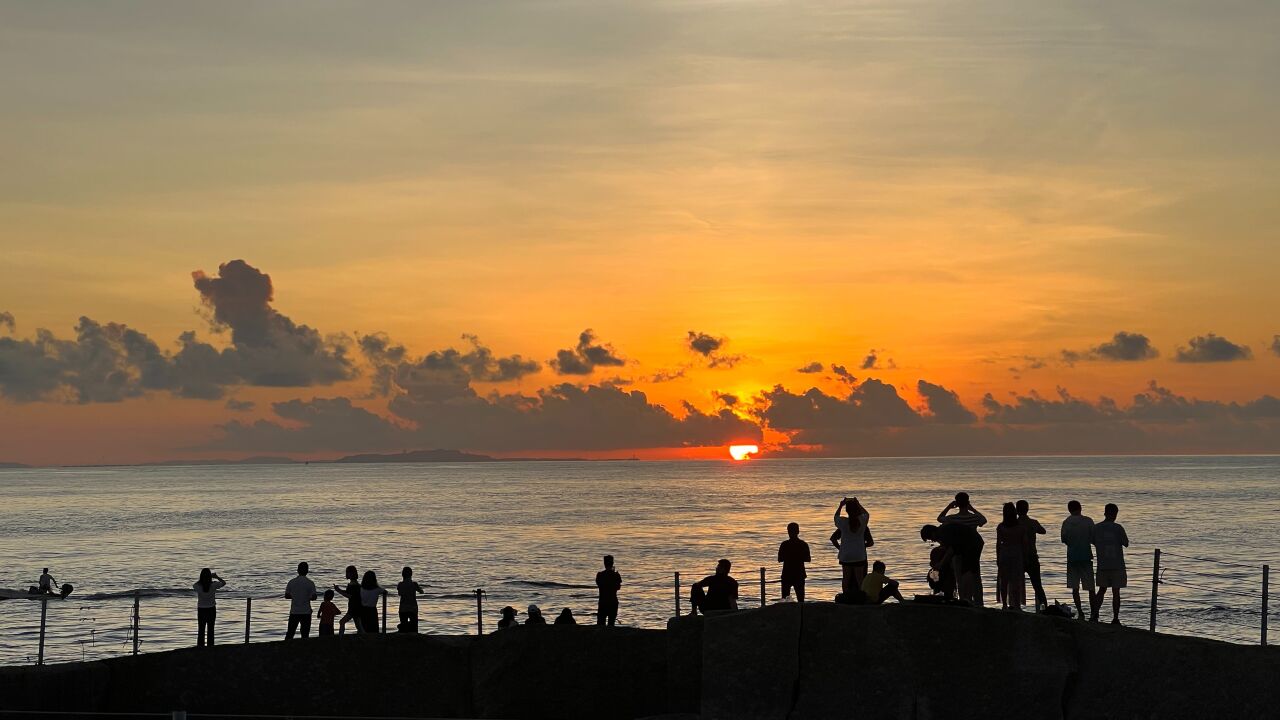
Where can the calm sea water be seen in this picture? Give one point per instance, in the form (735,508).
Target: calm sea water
(534,533)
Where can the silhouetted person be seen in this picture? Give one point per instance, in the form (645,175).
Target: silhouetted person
(715,592)
(1033,528)
(1077,535)
(962,550)
(355,608)
(508,618)
(565,618)
(942,578)
(1110,539)
(327,613)
(300,592)
(1011,558)
(793,553)
(877,588)
(535,616)
(46,585)
(370,593)
(609,582)
(206,605)
(408,590)
(853,543)
(966,514)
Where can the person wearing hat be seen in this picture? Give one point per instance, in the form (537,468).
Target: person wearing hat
(535,616)
(508,618)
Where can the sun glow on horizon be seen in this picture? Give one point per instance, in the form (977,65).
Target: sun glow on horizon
(742,452)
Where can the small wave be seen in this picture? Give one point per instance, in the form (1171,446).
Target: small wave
(550,584)
(140,592)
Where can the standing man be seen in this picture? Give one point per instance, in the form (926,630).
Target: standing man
(715,592)
(1111,540)
(300,591)
(793,553)
(609,582)
(1033,528)
(1077,535)
(968,516)
(853,544)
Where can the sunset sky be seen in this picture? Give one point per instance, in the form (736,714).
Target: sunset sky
(1059,205)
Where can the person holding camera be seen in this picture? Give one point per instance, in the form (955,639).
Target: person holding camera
(852,544)
(206,606)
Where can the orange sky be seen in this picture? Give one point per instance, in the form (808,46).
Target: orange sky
(969,189)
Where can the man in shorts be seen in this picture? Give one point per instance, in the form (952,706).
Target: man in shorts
(1111,540)
(1077,535)
(793,553)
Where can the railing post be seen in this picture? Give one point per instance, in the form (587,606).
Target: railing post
(1266,588)
(178,715)
(248,618)
(137,620)
(44,609)
(384,613)
(479,611)
(1155,588)
(762,586)
(677,594)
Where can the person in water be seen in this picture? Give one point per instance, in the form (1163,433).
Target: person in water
(715,592)
(355,609)
(877,587)
(327,612)
(565,618)
(370,592)
(793,553)
(1110,540)
(508,618)
(1032,563)
(853,543)
(609,582)
(206,606)
(300,592)
(408,590)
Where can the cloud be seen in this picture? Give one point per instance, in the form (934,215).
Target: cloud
(268,349)
(240,405)
(586,356)
(1211,348)
(869,362)
(944,405)
(662,376)
(7,321)
(561,417)
(843,374)
(439,373)
(815,418)
(813,367)
(1034,409)
(728,399)
(709,346)
(1122,347)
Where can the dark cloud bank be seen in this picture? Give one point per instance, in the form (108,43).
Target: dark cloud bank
(438,399)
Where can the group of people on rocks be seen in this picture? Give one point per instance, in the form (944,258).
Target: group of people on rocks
(955,572)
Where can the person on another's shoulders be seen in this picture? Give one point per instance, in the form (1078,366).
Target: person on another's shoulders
(300,592)
(1110,539)
(715,592)
(877,588)
(793,553)
(327,612)
(408,590)
(609,582)
(1033,528)
(853,547)
(1077,535)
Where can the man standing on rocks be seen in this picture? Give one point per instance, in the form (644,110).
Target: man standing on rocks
(1111,540)
(1032,566)
(300,592)
(609,582)
(1077,535)
(793,553)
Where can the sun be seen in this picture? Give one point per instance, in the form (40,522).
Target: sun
(742,452)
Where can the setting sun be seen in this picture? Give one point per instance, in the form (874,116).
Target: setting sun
(742,452)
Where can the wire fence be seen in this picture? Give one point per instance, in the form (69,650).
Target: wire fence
(1189,595)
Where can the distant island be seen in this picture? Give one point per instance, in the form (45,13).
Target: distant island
(417,456)
(12,465)
(408,456)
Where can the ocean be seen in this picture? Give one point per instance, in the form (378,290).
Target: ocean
(534,532)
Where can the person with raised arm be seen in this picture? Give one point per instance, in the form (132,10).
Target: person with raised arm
(852,544)
(1077,535)
(967,515)
(1110,539)
(300,592)
(408,590)
(1032,563)
(355,609)
(206,606)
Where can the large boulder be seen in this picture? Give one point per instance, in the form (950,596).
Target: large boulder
(750,663)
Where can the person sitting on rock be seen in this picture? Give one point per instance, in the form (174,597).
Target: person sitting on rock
(715,593)
(565,618)
(877,588)
(508,618)
(535,616)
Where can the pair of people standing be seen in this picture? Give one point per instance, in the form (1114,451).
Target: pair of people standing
(1081,536)
(362,594)
(1016,557)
